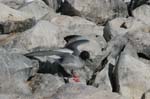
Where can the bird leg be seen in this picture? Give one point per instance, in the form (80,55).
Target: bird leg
(75,76)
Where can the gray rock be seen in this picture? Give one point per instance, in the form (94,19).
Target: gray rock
(44,34)
(15,4)
(120,26)
(50,15)
(142,13)
(112,52)
(133,76)
(146,95)
(80,26)
(44,85)
(37,8)
(79,91)
(14,21)
(14,72)
(14,96)
(98,11)
(141,45)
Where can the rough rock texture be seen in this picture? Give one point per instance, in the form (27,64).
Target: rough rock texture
(14,21)
(120,26)
(15,4)
(142,13)
(98,11)
(32,7)
(44,34)
(79,91)
(119,45)
(14,72)
(141,45)
(44,85)
(133,76)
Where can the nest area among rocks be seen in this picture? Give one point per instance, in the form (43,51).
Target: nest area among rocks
(74,49)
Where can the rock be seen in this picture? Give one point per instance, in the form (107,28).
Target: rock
(44,34)
(133,76)
(15,71)
(79,91)
(120,26)
(141,45)
(146,95)
(142,13)
(15,4)
(44,85)
(14,21)
(32,7)
(15,96)
(51,14)
(127,1)
(80,26)
(99,11)
(104,78)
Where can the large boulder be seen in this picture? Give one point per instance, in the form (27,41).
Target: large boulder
(143,13)
(133,76)
(44,85)
(44,34)
(14,21)
(98,11)
(79,91)
(14,73)
(37,8)
(120,26)
(15,4)
(79,26)
(141,45)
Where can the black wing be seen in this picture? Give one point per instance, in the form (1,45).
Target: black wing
(70,37)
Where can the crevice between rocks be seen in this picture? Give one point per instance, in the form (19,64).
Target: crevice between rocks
(67,9)
(142,55)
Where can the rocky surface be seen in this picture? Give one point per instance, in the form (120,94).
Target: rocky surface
(116,58)
(32,7)
(98,11)
(81,91)
(144,16)
(14,21)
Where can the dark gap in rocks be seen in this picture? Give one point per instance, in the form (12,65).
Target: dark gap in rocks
(67,9)
(113,74)
(133,5)
(123,25)
(113,78)
(97,36)
(101,67)
(30,78)
(1,29)
(130,8)
(143,96)
(142,55)
(92,80)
